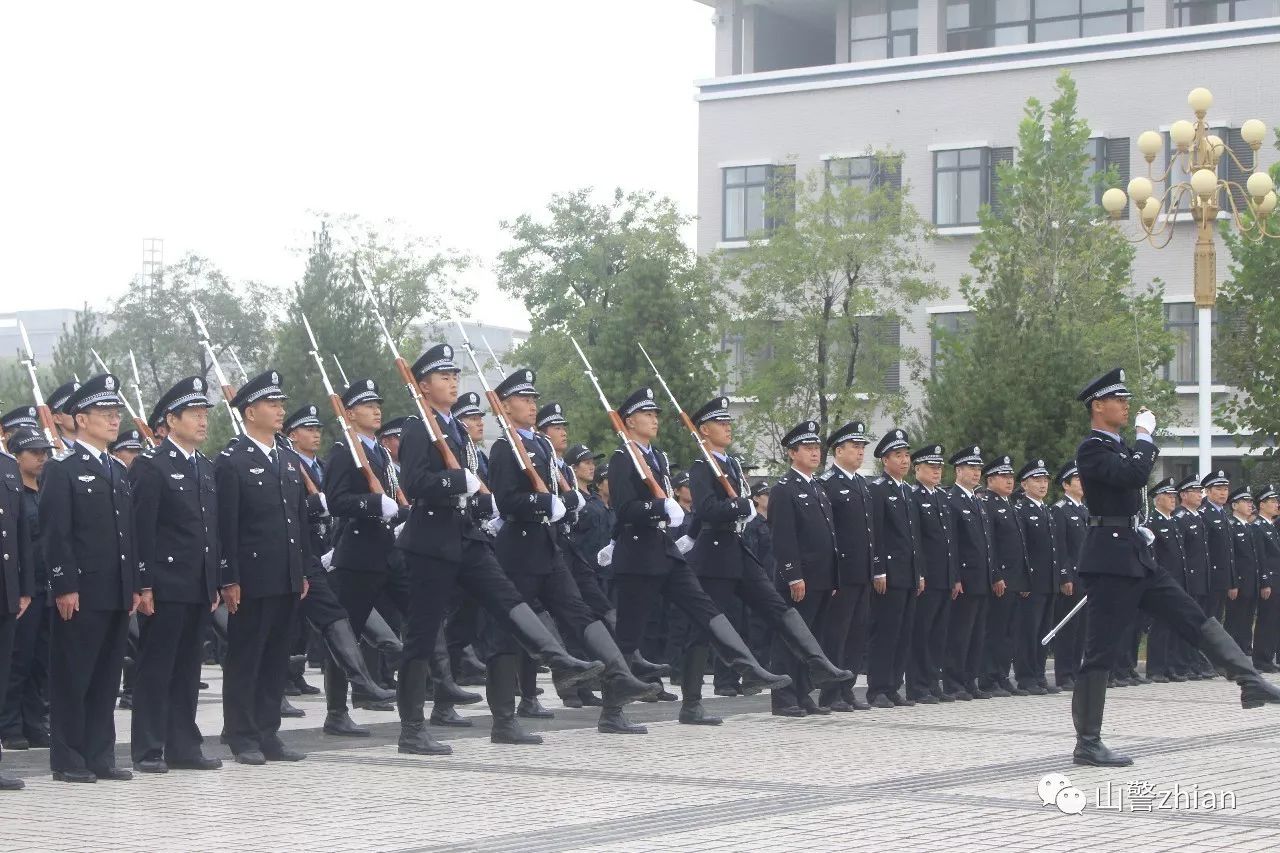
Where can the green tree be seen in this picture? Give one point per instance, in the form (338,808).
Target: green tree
(73,353)
(820,300)
(1053,305)
(613,274)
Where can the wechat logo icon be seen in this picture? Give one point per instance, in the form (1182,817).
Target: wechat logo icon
(1056,790)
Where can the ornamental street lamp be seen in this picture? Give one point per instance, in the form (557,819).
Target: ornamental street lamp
(1198,153)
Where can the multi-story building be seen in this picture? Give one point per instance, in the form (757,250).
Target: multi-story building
(44,327)
(816,84)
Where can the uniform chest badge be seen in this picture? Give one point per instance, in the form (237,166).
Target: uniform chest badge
(290,466)
(178,476)
(893,497)
(256,471)
(85,478)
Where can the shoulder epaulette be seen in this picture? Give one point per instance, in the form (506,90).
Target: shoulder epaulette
(882,479)
(826,475)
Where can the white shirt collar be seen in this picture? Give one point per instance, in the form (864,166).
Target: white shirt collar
(265,448)
(803,475)
(95,452)
(186,454)
(852,475)
(967,492)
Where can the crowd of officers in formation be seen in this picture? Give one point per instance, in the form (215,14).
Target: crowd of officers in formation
(937,593)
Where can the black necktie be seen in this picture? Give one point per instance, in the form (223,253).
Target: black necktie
(271,460)
(106,467)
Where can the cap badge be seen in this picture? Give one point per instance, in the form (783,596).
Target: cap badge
(448,352)
(556,408)
(1040,462)
(648,393)
(369,384)
(109,383)
(311,409)
(937,448)
(1121,374)
(897,433)
(975,449)
(275,378)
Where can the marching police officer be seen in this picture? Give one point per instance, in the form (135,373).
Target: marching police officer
(1034,616)
(1162,653)
(1009,570)
(967,631)
(17,569)
(87,534)
(1070,519)
(175,508)
(941,579)
(1119,571)
(266,551)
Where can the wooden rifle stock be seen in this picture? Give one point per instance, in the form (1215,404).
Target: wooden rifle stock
(517,446)
(711,460)
(50,428)
(437,437)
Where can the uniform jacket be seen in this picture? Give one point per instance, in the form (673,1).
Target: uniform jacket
(592,530)
(937,539)
(1171,554)
(321,524)
(1042,549)
(1195,550)
(1069,529)
(1009,548)
(441,516)
(975,550)
(642,545)
(1248,559)
(87,532)
(528,542)
(1222,569)
(17,568)
(758,538)
(366,541)
(853,511)
(262,520)
(719,550)
(1267,538)
(176,511)
(897,533)
(804,537)
(1115,477)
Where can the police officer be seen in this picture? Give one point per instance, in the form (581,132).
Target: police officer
(87,535)
(126,447)
(1070,519)
(21,417)
(17,566)
(175,509)
(1009,570)
(1162,653)
(1265,636)
(967,631)
(1034,616)
(1195,546)
(848,622)
(941,579)
(1250,570)
(1119,572)
(1223,584)
(898,577)
(63,421)
(266,551)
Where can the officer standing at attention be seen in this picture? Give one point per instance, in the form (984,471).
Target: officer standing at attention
(17,569)
(87,534)
(1265,636)
(1251,577)
(1223,585)
(126,447)
(1119,571)
(1034,617)
(266,549)
(898,579)
(1195,546)
(64,422)
(175,508)
(1070,519)
(1162,652)
(941,579)
(1009,568)
(967,631)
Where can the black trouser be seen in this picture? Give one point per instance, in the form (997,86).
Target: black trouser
(1217,605)
(166,690)
(966,643)
(356,593)
(723,676)
(928,641)
(25,711)
(1240,613)
(813,608)
(997,640)
(637,595)
(1068,645)
(1032,619)
(890,641)
(254,675)
(1266,634)
(846,630)
(321,606)
(589,586)
(1115,602)
(86,655)
(752,591)
(558,595)
(8,624)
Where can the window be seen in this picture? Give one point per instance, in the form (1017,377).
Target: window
(1178,175)
(1190,13)
(944,326)
(1105,154)
(961,184)
(889,334)
(1180,318)
(745,192)
(882,29)
(973,24)
(735,346)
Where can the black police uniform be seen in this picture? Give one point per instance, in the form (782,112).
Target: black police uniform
(1171,555)
(941,566)
(1070,521)
(17,572)
(1247,560)
(175,506)
(1195,546)
(974,549)
(848,622)
(266,549)
(1034,615)
(1008,564)
(1222,570)
(1265,630)
(87,535)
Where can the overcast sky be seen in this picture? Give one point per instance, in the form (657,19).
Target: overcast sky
(219,126)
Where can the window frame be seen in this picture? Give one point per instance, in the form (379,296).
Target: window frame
(767,225)
(984,170)
(1133,13)
(891,34)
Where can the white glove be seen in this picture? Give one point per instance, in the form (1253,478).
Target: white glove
(753,513)
(1147,535)
(684,544)
(1146,420)
(557,508)
(473,482)
(326,560)
(492,525)
(389,508)
(605,555)
(324,504)
(675,515)
(399,527)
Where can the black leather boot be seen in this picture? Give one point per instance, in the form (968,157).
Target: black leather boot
(566,670)
(588,699)
(340,723)
(623,686)
(468,669)
(647,670)
(1227,655)
(1087,702)
(527,681)
(500,689)
(692,712)
(288,710)
(734,652)
(444,714)
(337,721)
(800,640)
(444,688)
(612,721)
(341,642)
(411,696)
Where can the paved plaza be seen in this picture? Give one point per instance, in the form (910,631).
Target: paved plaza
(962,776)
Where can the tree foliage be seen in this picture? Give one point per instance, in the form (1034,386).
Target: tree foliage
(73,353)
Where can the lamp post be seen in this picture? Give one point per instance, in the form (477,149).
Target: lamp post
(1199,153)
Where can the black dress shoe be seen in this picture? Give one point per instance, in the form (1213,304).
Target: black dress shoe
(840,707)
(960,696)
(944,697)
(533,709)
(288,710)
(341,724)
(126,702)
(1030,690)
(74,776)
(614,722)
(788,711)
(11,783)
(15,743)
(1014,690)
(1092,752)
(204,685)
(667,696)
(571,700)
(446,715)
(201,763)
(922,698)
(995,690)
(1160,678)
(307,689)
(113,774)
(1176,677)
(589,699)
(814,709)
(1051,689)
(374,705)
(896,698)
(151,765)
(39,740)
(284,753)
(978,693)
(728,691)
(857,704)
(882,701)
(252,757)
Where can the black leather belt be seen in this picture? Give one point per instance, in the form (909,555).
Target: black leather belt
(1112,521)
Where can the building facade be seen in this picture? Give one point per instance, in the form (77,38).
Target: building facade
(816,84)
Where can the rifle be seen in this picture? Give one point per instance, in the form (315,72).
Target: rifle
(228,392)
(143,429)
(345,381)
(428,418)
(42,409)
(493,355)
(693,430)
(642,467)
(244,374)
(354,443)
(137,384)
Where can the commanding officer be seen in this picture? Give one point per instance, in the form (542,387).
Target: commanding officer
(1009,569)
(175,508)
(266,549)
(1120,574)
(1265,636)
(1034,617)
(733,576)
(1195,546)
(853,514)
(87,534)
(1070,519)
(17,565)
(941,579)
(1163,657)
(967,631)
(1250,571)
(1223,584)
(898,579)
